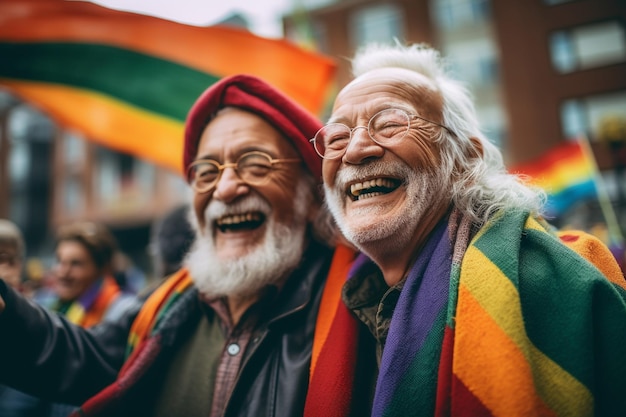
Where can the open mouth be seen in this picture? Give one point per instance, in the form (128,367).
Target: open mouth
(373,188)
(240,222)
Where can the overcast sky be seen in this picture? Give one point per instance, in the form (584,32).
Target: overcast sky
(264,15)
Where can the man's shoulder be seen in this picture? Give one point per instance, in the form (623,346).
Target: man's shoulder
(519,238)
(123,303)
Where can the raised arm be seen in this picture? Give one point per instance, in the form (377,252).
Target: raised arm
(47,356)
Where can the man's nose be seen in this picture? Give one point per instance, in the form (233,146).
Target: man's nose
(229,186)
(361,146)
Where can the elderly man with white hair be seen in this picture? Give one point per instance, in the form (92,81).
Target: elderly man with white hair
(474,305)
(231,333)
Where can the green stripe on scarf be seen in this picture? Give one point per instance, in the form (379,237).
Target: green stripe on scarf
(156,306)
(572,318)
(419,375)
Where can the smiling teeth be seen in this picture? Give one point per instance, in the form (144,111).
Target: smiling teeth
(369,195)
(238,218)
(355,189)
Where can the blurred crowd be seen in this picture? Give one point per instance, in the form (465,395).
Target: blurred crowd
(43,281)
(91,280)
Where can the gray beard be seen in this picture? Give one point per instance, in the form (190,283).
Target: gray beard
(420,188)
(267,264)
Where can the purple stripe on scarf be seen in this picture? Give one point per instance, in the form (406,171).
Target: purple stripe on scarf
(90,295)
(423,296)
(359,265)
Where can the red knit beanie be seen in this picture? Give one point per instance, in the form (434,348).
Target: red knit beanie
(256,96)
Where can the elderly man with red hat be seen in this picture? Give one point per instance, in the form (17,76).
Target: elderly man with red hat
(230,334)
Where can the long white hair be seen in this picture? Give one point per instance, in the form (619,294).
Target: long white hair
(481,183)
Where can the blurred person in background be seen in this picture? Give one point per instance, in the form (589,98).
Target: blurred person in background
(171,239)
(12,252)
(84,288)
(129,277)
(231,333)
(35,276)
(14,403)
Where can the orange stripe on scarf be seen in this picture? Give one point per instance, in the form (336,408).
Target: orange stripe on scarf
(593,250)
(109,291)
(493,346)
(333,364)
(331,299)
(146,318)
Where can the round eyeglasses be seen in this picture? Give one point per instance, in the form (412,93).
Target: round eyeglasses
(252,167)
(387,128)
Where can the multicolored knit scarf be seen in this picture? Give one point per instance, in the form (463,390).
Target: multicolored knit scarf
(333,359)
(156,306)
(91,306)
(515,324)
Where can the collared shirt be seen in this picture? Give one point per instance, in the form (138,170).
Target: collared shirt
(370,298)
(235,345)
(206,366)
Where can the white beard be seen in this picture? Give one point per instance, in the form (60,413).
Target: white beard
(362,228)
(266,264)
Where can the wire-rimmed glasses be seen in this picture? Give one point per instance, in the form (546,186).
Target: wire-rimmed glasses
(387,128)
(252,167)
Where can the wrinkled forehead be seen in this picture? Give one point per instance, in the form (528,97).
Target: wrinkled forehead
(236,128)
(402,84)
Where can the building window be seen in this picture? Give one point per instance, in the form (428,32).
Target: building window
(573,119)
(589,116)
(588,46)
(74,148)
(382,24)
(474,61)
(307,32)
(108,179)
(145,173)
(73,195)
(122,182)
(18,209)
(19,163)
(450,14)
(493,123)
(177,187)
(73,152)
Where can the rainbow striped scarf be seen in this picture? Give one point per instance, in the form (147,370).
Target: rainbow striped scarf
(156,306)
(90,308)
(513,324)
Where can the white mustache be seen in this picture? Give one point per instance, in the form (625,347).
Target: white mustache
(251,202)
(351,173)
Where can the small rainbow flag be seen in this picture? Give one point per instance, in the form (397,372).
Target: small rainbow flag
(566,172)
(127,80)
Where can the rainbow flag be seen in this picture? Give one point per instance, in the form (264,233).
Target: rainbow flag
(127,80)
(566,172)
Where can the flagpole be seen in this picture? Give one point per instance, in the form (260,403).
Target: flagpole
(613,227)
